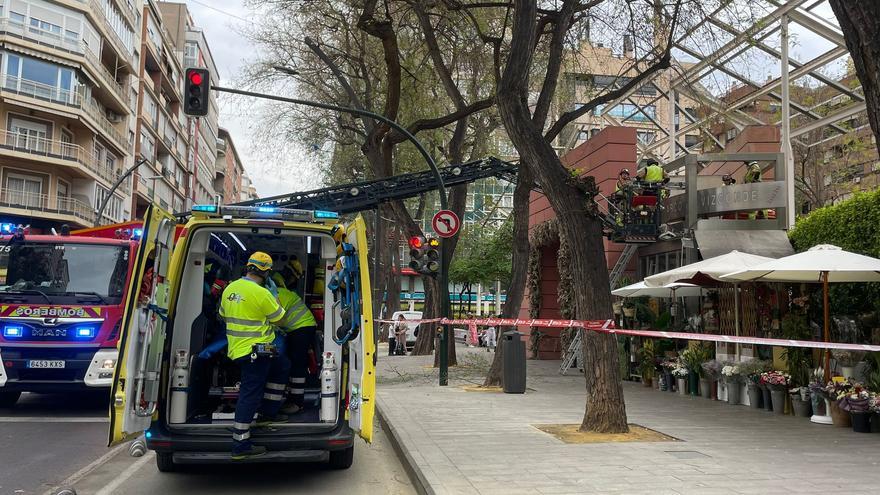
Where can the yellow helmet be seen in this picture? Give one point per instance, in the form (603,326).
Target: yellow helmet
(296,267)
(261,261)
(279,280)
(338,233)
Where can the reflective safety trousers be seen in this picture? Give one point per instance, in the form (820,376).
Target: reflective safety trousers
(296,313)
(249,310)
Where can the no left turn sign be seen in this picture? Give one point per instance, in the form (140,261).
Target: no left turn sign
(445,223)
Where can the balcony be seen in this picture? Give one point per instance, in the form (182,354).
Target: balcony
(88,105)
(114,38)
(60,151)
(73,46)
(46,206)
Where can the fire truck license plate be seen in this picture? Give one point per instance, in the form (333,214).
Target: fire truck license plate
(45,363)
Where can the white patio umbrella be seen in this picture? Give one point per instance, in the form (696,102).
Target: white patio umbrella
(712,268)
(824,263)
(639,289)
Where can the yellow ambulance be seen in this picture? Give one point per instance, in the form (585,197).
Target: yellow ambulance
(175,388)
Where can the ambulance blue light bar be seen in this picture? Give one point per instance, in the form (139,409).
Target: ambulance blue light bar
(13,331)
(268,212)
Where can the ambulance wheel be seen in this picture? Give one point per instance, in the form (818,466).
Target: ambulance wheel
(165,462)
(342,459)
(8,399)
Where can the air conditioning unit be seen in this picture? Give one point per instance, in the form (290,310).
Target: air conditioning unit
(857,180)
(114,117)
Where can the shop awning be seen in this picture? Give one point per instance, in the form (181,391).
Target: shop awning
(768,243)
(639,289)
(713,268)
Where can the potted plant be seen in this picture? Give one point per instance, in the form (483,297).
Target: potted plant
(680,372)
(752,370)
(801,401)
(668,365)
(858,404)
(629,309)
(875,416)
(732,380)
(693,357)
(837,390)
(820,400)
(846,361)
(777,383)
(711,372)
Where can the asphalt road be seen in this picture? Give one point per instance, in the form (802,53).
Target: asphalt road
(376,469)
(46,438)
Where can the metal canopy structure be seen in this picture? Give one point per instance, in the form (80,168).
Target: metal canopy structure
(828,110)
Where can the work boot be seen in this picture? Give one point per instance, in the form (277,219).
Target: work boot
(246,450)
(291,408)
(265,420)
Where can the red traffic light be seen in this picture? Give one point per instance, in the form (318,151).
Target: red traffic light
(195,78)
(416,242)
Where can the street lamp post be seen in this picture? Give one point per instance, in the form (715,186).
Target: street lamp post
(443,278)
(116,185)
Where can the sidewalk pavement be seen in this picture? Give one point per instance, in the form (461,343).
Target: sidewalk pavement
(461,442)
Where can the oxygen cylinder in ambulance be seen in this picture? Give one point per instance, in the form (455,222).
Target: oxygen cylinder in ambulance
(329,389)
(179,387)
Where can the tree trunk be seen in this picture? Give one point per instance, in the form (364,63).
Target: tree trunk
(425,340)
(860,23)
(579,225)
(519,270)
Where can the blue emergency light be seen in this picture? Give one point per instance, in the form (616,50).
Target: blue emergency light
(148,434)
(7,228)
(320,214)
(267,209)
(84,332)
(13,332)
(137,233)
(205,208)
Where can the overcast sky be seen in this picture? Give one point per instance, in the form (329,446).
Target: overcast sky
(221,21)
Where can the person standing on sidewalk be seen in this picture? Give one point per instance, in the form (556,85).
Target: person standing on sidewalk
(400,328)
(392,336)
(489,338)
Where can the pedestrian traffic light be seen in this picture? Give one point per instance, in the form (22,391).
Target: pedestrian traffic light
(195,95)
(424,254)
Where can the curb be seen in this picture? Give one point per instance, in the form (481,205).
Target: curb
(416,475)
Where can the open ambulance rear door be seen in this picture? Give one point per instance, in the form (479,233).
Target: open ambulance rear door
(362,350)
(137,378)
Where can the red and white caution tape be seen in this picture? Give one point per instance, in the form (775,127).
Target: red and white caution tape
(608,326)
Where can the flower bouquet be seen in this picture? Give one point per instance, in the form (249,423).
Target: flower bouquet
(837,390)
(775,380)
(712,369)
(731,373)
(858,404)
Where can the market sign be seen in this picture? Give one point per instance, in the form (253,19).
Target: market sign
(739,197)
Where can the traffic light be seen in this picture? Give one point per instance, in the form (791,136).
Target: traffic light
(424,254)
(195,94)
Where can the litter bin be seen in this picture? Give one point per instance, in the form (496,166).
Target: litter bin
(513,365)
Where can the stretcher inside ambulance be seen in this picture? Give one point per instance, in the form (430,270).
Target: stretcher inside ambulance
(175,381)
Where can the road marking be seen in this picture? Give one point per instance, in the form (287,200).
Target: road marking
(73,478)
(49,419)
(110,488)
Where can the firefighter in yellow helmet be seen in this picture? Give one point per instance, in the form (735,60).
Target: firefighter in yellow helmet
(753,175)
(250,311)
(653,173)
(299,327)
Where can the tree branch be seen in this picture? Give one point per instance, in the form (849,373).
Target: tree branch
(353,98)
(427,124)
(561,25)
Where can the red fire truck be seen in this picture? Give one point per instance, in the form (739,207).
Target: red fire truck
(61,300)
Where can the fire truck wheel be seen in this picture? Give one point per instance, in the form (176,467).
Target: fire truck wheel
(8,399)
(165,462)
(342,459)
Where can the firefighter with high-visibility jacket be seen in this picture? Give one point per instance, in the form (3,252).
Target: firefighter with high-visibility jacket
(299,326)
(250,311)
(653,173)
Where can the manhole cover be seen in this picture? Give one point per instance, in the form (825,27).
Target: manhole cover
(686,454)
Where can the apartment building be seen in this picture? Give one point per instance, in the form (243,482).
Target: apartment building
(162,140)
(595,69)
(192,47)
(248,190)
(228,170)
(65,106)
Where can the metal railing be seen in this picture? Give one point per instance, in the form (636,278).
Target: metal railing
(76,46)
(112,35)
(44,203)
(61,150)
(75,99)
